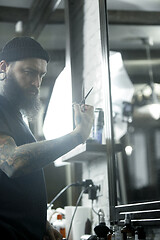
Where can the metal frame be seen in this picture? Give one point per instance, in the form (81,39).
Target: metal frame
(146,213)
(108,107)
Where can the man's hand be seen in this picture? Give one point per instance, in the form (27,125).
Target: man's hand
(51,233)
(84,116)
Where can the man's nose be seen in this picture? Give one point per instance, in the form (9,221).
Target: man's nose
(37,82)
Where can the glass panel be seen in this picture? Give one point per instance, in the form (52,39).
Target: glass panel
(135,103)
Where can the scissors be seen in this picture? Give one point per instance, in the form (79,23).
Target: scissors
(83,100)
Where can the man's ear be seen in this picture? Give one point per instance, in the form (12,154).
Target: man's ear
(3,65)
(3,69)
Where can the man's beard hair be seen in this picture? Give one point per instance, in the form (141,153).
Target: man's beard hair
(28,104)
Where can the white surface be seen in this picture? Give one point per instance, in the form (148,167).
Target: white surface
(121,86)
(78,226)
(122,91)
(59,120)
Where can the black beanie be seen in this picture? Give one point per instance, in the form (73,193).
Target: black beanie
(20,48)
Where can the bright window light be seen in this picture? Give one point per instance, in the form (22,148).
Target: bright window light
(59,120)
(116,62)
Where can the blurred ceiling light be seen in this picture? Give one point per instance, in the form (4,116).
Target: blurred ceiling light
(154,110)
(147,91)
(128,150)
(19,27)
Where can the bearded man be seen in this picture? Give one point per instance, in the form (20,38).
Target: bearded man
(23,203)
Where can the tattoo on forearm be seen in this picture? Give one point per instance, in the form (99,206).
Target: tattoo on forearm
(29,157)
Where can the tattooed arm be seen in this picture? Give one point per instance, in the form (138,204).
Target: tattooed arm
(18,161)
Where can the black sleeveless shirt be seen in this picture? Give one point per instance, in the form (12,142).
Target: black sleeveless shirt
(22,199)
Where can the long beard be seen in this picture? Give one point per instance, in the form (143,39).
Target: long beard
(28,104)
